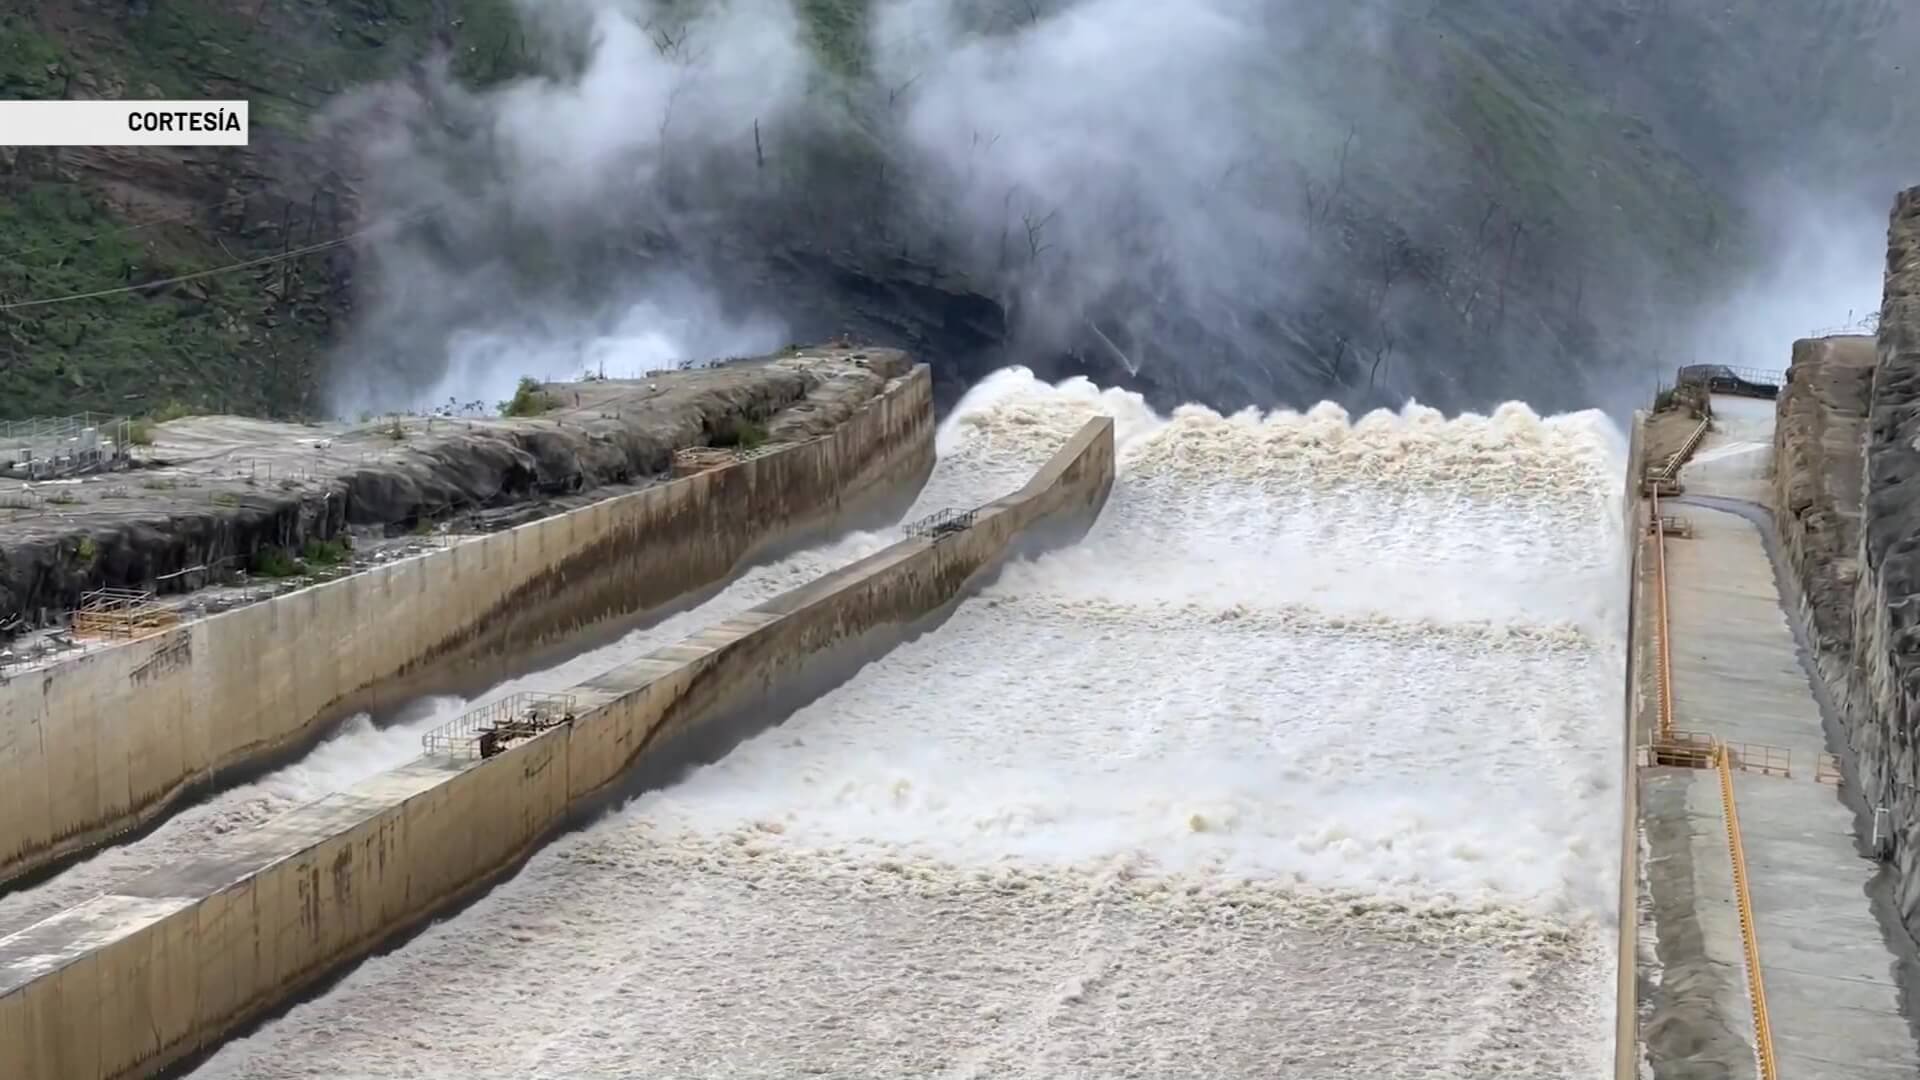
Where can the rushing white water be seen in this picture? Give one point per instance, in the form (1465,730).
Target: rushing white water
(1733,460)
(969,472)
(1302,764)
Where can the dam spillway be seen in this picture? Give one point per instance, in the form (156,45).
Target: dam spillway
(1204,794)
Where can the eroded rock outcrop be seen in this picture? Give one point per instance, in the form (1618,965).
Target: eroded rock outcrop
(1882,696)
(1817,480)
(225,489)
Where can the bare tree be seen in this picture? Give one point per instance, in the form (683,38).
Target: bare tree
(1006,214)
(1514,232)
(1334,368)
(1381,354)
(1392,260)
(1321,205)
(893,94)
(1036,226)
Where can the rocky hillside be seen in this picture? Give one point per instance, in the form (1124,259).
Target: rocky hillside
(1466,201)
(222,497)
(82,219)
(1847,515)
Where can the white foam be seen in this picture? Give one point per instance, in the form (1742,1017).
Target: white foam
(1312,739)
(974,468)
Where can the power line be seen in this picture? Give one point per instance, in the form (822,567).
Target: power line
(196,275)
(167,219)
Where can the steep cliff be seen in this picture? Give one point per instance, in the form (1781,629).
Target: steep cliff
(1882,692)
(1818,472)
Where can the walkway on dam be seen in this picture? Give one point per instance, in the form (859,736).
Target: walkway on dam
(1737,675)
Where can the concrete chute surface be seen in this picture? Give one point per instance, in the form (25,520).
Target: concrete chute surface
(400,845)
(1126,777)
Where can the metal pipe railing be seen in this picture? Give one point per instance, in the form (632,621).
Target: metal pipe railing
(1679,457)
(1664,658)
(1750,943)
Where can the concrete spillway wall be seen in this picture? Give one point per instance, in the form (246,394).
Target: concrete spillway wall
(106,741)
(1626,1042)
(173,960)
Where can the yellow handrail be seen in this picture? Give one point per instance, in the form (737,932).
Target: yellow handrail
(1756,986)
(1680,456)
(1665,655)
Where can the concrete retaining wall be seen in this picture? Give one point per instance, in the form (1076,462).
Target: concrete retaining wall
(1626,1043)
(104,742)
(175,959)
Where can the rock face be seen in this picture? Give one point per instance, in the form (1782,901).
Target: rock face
(224,490)
(1817,479)
(1882,697)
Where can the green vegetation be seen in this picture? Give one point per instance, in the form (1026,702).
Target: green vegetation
(741,434)
(1565,157)
(837,30)
(249,341)
(325,552)
(528,399)
(220,343)
(140,433)
(1690,397)
(274,563)
(30,61)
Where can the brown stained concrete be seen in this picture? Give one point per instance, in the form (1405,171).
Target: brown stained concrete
(211,491)
(106,741)
(172,961)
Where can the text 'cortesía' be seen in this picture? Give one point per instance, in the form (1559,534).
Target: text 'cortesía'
(184,120)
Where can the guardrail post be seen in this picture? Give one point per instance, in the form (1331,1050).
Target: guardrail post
(1750,943)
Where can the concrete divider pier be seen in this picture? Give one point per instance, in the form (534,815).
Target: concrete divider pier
(106,741)
(172,961)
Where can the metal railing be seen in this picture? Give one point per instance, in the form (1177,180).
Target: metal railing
(1726,379)
(121,613)
(1685,750)
(494,727)
(46,428)
(1826,770)
(942,523)
(1664,659)
(1672,525)
(1750,943)
(1862,327)
(1666,473)
(1760,758)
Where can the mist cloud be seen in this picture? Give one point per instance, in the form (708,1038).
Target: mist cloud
(525,184)
(1090,153)
(1238,201)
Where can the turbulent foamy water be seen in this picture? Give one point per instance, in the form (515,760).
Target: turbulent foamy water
(1302,764)
(970,472)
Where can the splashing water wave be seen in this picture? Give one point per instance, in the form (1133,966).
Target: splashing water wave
(1302,763)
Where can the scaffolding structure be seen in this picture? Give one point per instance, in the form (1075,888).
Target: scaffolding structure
(45,448)
(942,523)
(497,726)
(121,613)
(1743,381)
